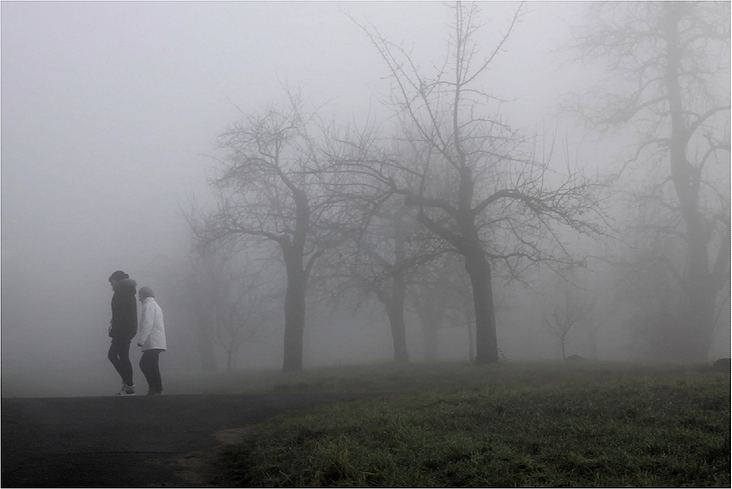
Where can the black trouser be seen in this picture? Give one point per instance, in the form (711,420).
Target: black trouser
(119,355)
(151,370)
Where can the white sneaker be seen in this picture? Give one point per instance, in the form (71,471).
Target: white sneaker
(126,390)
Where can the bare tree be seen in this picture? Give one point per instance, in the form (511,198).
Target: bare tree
(439,295)
(379,249)
(269,188)
(196,288)
(569,309)
(476,183)
(380,262)
(239,310)
(670,85)
(225,300)
(430,303)
(381,266)
(649,292)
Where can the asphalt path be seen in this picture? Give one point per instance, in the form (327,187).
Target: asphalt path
(127,441)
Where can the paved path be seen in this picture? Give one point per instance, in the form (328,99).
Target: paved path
(133,441)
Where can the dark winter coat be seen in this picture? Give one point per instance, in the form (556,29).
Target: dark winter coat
(124,310)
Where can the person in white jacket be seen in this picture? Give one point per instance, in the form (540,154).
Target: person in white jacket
(151,339)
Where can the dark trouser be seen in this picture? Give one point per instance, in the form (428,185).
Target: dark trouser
(119,355)
(151,370)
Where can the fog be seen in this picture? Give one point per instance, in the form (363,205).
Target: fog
(110,114)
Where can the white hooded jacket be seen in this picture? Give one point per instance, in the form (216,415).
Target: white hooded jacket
(152,328)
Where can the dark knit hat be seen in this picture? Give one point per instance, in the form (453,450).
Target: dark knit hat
(118,275)
(146,292)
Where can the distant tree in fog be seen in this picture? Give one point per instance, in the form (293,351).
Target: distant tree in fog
(649,291)
(379,263)
(199,284)
(240,310)
(441,300)
(226,301)
(669,84)
(476,184)
(568,307)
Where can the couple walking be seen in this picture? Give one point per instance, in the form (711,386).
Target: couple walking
(123,327)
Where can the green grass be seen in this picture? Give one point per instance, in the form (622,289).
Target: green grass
(420,377)
(510,424)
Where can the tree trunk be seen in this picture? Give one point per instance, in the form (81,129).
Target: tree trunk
(479,270)
(294,312)
(698,290)
(297,278)
(399,291)
(471,338)
(394,305)
(698,315)
(395,311)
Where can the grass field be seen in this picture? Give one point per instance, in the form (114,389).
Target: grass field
(510,424)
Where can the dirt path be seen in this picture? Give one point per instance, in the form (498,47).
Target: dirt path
(135,441)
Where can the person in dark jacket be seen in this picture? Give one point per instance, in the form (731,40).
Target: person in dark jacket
(122,328)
